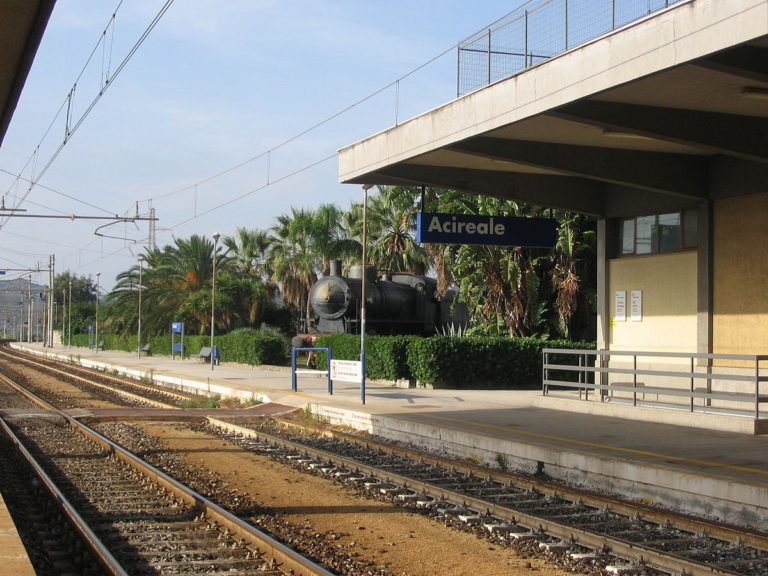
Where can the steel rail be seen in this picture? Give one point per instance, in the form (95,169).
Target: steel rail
(288,559)
(722,531)
(593,540)
(102,553)
(84,380)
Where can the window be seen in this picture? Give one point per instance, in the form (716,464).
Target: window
(659,233)
(645,236)
(628,237)
(669,232)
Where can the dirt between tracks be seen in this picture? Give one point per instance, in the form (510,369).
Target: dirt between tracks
(405,542)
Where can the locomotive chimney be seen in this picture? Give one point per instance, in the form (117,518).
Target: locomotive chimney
(335,268)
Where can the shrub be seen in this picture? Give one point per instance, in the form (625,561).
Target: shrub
(386,357)
(439,361)
(245,346)
(477,362)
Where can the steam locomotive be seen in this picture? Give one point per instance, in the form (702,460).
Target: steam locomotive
(397,303)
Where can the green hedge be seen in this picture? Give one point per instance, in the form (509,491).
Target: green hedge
(450,362)
(438,361)
(482,362)
(386,357)
(246,346)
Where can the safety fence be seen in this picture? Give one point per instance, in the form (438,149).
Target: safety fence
(538,31)
(714,383)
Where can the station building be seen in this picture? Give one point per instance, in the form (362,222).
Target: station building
(658,128)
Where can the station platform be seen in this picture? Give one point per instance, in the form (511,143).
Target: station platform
(13,555)
(723,475)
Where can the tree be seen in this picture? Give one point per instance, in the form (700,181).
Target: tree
(176,286)
(292,258)
(83,305)
(392,224)
(330,240)
(515,290)
(248,249)
(573,276)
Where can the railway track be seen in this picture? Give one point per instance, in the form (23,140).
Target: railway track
(134,518)
(584,529)
(130,390)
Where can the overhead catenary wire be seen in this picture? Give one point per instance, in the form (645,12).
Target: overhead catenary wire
(309,129)
(266,153)
(67,102)
(59,192)
(107,83)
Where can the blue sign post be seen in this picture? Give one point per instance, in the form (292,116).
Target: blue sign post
(177,347)
(487,230)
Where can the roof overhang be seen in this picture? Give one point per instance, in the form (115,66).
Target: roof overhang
(667,112)
(22,23)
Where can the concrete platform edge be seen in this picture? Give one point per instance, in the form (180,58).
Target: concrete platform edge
(737,503)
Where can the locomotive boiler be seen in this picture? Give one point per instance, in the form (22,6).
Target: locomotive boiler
(396,303)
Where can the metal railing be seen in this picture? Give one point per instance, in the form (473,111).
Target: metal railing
(535,33)
(675,380)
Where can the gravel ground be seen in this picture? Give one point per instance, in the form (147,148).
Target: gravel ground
(365,536)
(394,539)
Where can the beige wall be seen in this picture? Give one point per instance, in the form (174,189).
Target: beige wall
(740,275)
(668,285)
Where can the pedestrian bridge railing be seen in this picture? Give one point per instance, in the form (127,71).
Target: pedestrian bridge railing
(714,383)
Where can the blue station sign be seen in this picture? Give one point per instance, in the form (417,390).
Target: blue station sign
(487,230)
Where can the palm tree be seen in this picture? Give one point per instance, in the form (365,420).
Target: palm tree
(392,225)
(247,249)
(330,239)
(573,276)
(176,286)
(292,258)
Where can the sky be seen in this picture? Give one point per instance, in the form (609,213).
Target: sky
(214,86)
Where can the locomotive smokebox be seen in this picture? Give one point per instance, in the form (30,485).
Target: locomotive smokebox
(330,297)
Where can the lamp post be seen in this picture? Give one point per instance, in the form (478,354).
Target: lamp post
(366,187)
(216,237)
(29,311)
(141,287)
(96,337)
(69,327)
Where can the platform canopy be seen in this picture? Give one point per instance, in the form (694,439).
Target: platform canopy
(669,111)
(22,23)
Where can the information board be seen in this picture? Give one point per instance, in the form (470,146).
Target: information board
(346,370)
